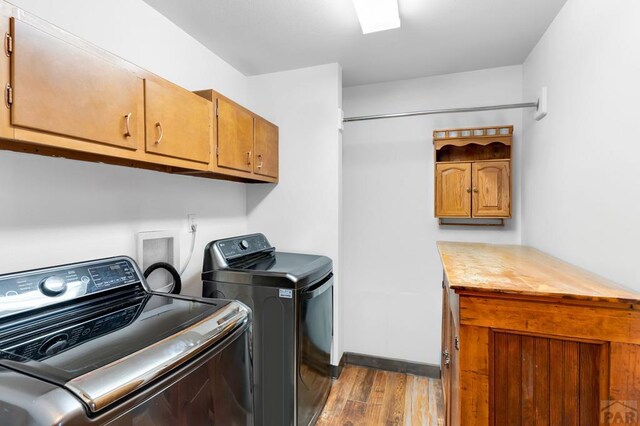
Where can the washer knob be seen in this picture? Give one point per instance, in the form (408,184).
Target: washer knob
(53,286)
(244,244)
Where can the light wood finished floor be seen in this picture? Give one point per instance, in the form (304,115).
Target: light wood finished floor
(364,396)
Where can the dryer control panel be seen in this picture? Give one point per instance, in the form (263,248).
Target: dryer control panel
(233,248)
(30,290)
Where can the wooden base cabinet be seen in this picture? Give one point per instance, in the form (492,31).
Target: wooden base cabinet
(514,377)
(526,359)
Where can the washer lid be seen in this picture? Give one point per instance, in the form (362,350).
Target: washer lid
(289,270)
(105,350)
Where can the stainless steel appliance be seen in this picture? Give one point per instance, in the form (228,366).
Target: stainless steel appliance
(291,296)
(89,343)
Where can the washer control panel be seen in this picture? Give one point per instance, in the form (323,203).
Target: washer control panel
(33,289)
(233,248)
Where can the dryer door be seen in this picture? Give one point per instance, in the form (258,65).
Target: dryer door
(314,340)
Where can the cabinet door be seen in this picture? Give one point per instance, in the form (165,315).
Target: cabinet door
(235,136)
(454,381)
(178,122)
(453,190)
(491,189)
(62,89)
(266,148)
(445,361)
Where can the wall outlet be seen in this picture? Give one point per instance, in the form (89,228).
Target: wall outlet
(192,221)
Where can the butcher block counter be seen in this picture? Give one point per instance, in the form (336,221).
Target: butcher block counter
(530,339)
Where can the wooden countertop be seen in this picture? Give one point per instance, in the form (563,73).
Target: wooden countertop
(522,270)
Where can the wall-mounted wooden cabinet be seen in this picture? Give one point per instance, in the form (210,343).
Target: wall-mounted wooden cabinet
(246,145)
(68,98)
(473,172)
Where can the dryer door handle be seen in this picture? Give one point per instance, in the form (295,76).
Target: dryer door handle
(317,289)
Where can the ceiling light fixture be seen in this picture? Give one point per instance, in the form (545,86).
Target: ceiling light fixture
(377,15)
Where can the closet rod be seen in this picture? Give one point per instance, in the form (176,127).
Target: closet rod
(442,111)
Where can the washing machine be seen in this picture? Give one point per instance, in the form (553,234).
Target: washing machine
(90,343)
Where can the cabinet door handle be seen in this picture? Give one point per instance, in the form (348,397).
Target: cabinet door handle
(260,159)
(249,157)
(447,357)
(127,125)
(8,44)
(475,190)
(468,190)
(160,131)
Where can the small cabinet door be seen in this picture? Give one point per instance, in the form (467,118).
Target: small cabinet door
(453,190)
(235,136)
(266,148)
(491,189)
(178,122)
(61,89)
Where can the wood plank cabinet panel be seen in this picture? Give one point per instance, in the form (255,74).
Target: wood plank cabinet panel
(453,190)
(178,122)
(235,136)
(473,354)
(491,189)
(266,148)
(562,389)
(62,89)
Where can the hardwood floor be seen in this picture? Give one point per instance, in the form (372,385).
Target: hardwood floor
(364,396)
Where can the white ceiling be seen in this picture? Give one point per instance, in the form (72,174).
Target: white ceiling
(436,37)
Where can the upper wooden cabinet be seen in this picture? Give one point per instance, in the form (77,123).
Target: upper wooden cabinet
(178,122)
(473,173)
(453,190)
(235,136)
(266,148)
(62,89)
(66,97)
(245,144)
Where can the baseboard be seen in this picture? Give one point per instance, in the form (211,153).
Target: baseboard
(336,370)
(388,364)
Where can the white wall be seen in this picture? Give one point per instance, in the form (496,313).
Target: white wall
(55,210)
(301,214)
(391,270)
(580,170)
